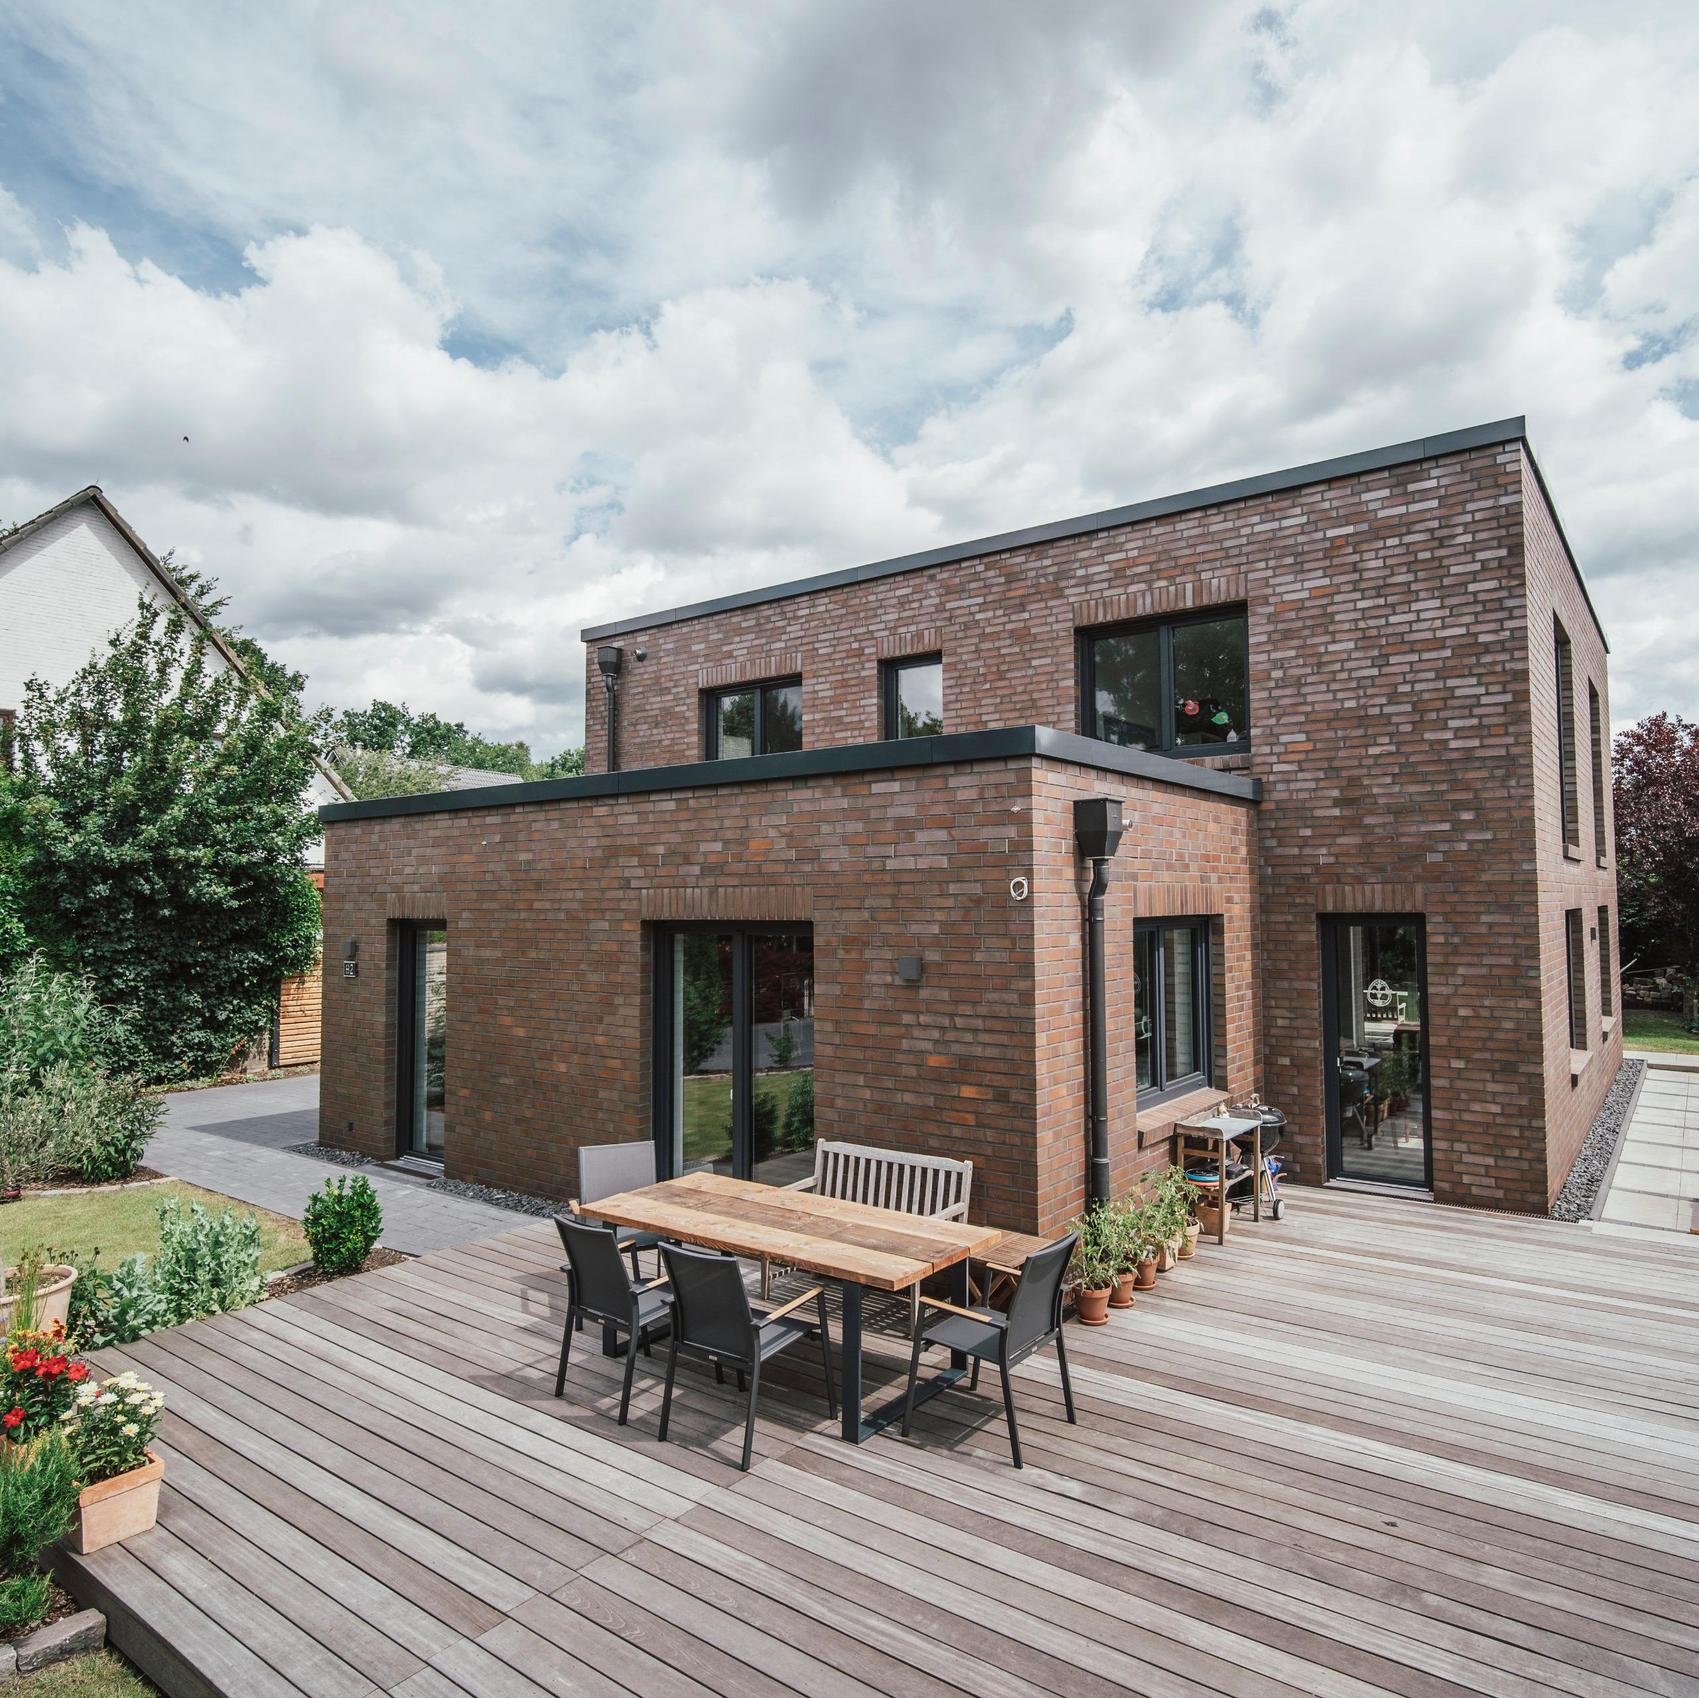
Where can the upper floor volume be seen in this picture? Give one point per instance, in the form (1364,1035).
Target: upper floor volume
(1174,626)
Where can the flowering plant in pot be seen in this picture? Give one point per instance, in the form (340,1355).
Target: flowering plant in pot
(110,1426)
(39,1379)
(1095,1260)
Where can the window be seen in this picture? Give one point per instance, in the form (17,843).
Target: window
(1596,729)
(1171,1005)
(1607,975)
(1568,783)
(1178,687)
(1575,962)
(756,719)
(914,697)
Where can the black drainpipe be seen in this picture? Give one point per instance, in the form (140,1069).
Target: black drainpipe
(1097,831)
(610,657)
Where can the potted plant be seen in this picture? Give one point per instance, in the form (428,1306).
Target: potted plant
(35,1293)
(39,1381)
(1126,1255)
(1185,1199)
(112,1422)
(1094,1266)
(1142,1234)
(1394,1081)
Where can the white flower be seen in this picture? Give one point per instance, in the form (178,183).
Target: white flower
(105,1398)
(136,1397)
(130,1429)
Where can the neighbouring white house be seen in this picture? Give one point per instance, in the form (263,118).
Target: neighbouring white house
(69,578)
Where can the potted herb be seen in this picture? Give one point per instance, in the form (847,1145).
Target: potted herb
(35,1293)
(112,1422)
(1126,1247)
(1094,1265)
(1184,1196)
(1142,1232)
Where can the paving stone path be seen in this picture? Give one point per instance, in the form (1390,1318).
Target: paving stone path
(1656,1182)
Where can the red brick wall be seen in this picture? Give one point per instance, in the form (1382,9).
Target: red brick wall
(1575,1086)
(1395,727)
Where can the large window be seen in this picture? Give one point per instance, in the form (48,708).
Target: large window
(1177,687)
(914,696)
(1575,964)
(756,719)
(1567,776)
(1171,1005)
(734,1075)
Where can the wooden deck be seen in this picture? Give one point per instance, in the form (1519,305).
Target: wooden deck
(1377,1447)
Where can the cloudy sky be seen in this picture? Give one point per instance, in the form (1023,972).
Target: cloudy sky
(484,323)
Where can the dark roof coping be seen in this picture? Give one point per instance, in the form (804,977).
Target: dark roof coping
(1015,742)
(1215,495)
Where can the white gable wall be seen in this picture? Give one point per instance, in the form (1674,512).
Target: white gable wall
(63,592)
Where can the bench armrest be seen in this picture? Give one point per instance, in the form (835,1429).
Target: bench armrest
(956,1211)
(801,1184)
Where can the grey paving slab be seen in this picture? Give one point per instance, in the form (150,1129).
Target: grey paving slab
(233,1139)
(1656,1183)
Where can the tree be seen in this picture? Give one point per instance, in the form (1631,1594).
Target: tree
(394,729)
(371,773)
(154,832)
(1656,783)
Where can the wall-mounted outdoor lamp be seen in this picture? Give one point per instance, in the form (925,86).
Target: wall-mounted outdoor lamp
(610,657)
(909,969)
(1097,831)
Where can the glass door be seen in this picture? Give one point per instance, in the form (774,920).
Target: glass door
(1375,1034)
(734,1051)
(422,1031)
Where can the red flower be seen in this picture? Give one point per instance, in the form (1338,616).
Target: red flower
(24,1360)
(52,1368)
(12,1418)
(77,1372)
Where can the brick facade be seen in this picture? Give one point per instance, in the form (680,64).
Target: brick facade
(1404,731)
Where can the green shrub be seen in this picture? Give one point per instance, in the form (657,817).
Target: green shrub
(75,1122)
(342,1223)
(799,1112)
(207,1264)
(47,1018)
(38,1502)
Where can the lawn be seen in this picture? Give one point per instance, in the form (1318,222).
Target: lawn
(707,1104)
(118,1221)
(1657,1028)
(101,1674)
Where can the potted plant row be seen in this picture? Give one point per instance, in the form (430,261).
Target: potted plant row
(1122,1246)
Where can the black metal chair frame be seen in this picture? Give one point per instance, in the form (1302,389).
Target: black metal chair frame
(1007,1338)
(734,1336)
(604,1302)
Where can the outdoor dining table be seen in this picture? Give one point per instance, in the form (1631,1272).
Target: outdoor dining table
(860,1247)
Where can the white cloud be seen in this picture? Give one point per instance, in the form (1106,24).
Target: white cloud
(761,291)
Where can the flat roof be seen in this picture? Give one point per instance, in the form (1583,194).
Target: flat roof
(1215,495)
(1013,742)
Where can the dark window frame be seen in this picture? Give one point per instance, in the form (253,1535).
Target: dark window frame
(890,683)
(1596,733)
(1575,975)
(711,700)
(406,1033)
(1607,972)
(1086,637)
(660,977)
(1568,759)
(1162,1088)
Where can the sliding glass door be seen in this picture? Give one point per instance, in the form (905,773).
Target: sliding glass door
(1375,1033)
(734,1051)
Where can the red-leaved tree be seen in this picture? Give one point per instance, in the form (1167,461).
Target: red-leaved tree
(1656,780)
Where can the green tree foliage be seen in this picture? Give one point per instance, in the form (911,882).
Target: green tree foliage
(371,773)
(154,833)
(1656,785)
(425,739)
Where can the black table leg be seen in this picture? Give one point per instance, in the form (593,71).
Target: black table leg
(851,1362)
(612,1343)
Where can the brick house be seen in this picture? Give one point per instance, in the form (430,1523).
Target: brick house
(821,877)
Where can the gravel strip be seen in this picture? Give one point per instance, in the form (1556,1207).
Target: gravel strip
(1593,1165)
(323,1152)
(519,1202)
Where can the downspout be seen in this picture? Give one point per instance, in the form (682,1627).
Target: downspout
(610,657)
(1097,831)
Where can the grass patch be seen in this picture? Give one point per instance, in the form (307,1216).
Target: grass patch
(120,1221)
(1659,1029)
(101,1674)
(706,1102)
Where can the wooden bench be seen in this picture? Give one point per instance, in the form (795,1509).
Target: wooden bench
(936,1187)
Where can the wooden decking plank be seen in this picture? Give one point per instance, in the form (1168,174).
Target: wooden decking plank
(632,1666)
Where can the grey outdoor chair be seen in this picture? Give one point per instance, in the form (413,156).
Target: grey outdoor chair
(604,1170)
(597,1287)
(712,1319)
(1033,1319)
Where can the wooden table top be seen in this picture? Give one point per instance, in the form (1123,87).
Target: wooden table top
(823,1235)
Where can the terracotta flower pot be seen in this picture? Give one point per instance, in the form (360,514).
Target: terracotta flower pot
(52,1297)
(1165,1257)
(1189,1242)
(1123,1297)
(1094,1306)
(118,1508)
(1209,1218)
(1145,1278)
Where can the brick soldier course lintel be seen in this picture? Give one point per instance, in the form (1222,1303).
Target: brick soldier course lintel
(1011,743)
